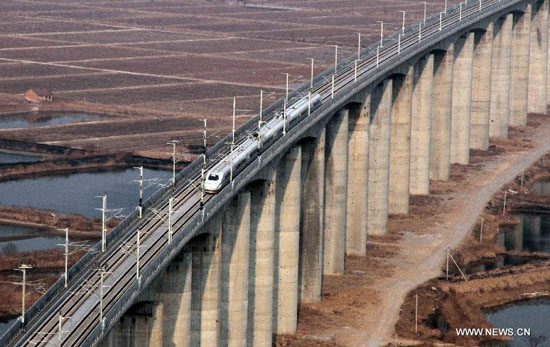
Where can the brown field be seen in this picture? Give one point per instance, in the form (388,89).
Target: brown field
(168,63)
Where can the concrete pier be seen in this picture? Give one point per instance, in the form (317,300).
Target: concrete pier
(532,231)
(336,175)
(312,219)
(379,158)
(517,236)
(481,88)
(519,82)
(500,77)
(175,295)
(288,198)
(421,126)
(207,266)
(358,171)
(538,59)
(400,147)
(234,298)
(462,96)
(260,280)
(141,325)
(442,91)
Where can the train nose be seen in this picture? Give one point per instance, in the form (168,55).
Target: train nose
(211,186)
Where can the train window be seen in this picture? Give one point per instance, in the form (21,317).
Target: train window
(213,177)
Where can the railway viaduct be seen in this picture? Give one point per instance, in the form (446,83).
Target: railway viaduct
(237,269)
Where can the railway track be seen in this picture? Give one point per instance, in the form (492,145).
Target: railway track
(81,301)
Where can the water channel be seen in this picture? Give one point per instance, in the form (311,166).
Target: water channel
(78,193)
(10,158)
(531,315)
(41,120)
(15,239)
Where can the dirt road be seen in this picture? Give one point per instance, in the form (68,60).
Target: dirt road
(361,307)
(422,255)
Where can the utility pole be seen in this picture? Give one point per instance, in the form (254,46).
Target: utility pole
(335,58)
(481,229)
(203,171)
(66,230)
(260,119)
(311,83)
(355,73)
(309,103)
(102,274)
(398,43)
(284,117)
(332,90)
(447,268)
(170,211)
(103,210)
(60,331)
(286,94)
(140,181)
(23,268)
(445,7)
(234,116)
(425,8)
(381,32)
(403,24)
(440,21)
(358,46)
(204,137)
(231,167)
(233,139)
(138,246)
(104,223)
(173,143)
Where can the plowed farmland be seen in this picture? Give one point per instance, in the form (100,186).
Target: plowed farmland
(183,60)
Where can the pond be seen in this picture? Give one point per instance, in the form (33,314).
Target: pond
(10,158)
(531,315)
(78,193)
(42,120)
(12,241)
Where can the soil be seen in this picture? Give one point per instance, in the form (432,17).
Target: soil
(459,303)
(47,267)
(137,63)
(362,307)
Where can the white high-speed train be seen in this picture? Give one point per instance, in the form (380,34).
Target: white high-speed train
(220,174)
